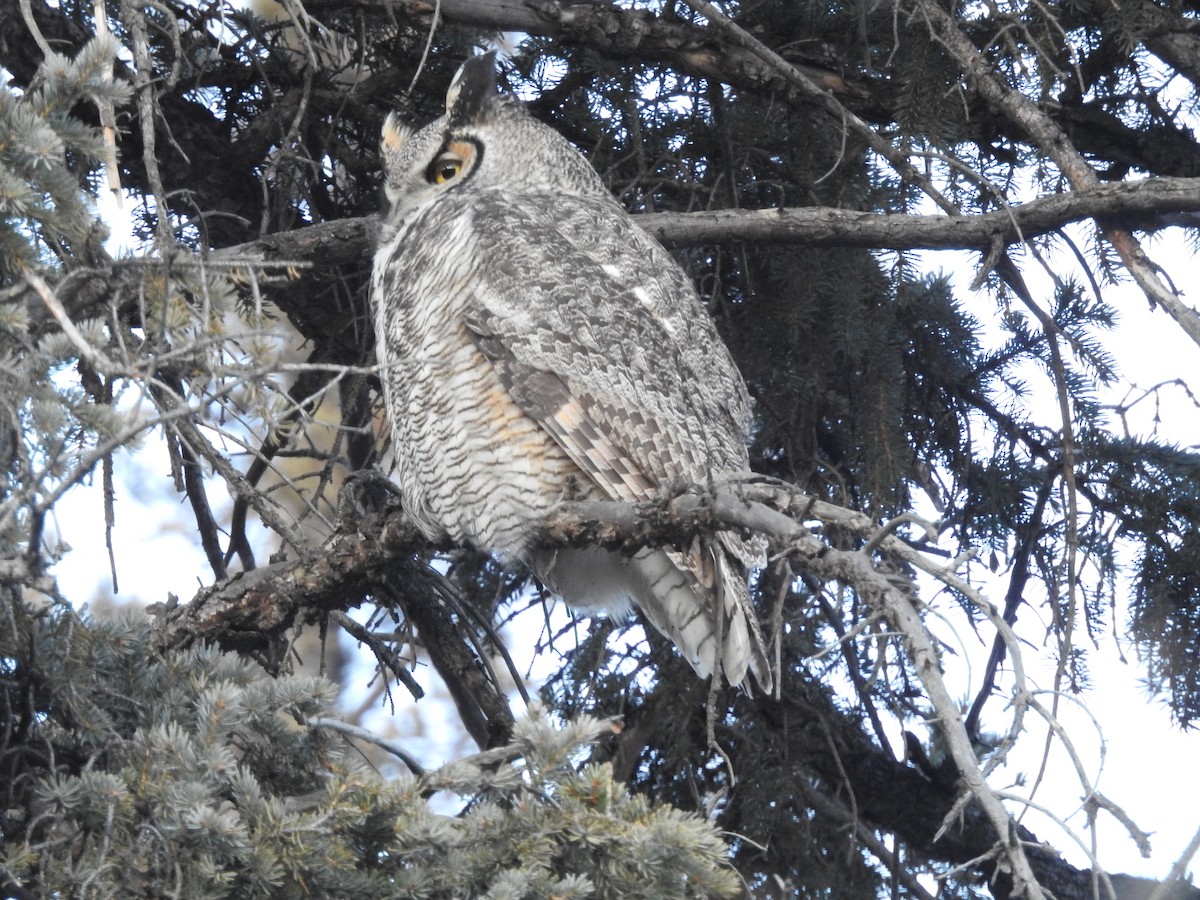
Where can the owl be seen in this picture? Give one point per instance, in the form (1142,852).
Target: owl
(536,346)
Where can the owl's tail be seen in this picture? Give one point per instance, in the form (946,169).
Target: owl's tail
(698,599)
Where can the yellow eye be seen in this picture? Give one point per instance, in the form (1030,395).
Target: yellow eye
(457,158)
(445,167)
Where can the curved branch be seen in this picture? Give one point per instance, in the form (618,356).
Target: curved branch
(378,553)
(1049,137)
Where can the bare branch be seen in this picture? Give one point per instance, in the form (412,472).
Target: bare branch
(617,32)
(1026,115)
(251,610)
(1165,890)
(1148,204)
(363,734)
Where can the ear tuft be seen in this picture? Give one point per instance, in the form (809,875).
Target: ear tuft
(472,89)
(395,134)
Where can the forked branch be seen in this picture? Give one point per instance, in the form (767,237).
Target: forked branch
(792,521)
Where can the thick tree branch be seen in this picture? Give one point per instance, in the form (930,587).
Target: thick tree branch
(1145,204)
(252,610)
(320,250)
(355,564)
(616,32)
(376,554)
(634,34)
(1170,36)
(373,558)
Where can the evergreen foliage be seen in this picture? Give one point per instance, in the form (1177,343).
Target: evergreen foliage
(193,774)
(46,207)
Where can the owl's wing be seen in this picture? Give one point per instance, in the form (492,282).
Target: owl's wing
(577,421)
(599,337)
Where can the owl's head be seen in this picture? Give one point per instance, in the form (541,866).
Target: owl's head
(483,142)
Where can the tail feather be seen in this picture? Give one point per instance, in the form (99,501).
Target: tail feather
(698,599)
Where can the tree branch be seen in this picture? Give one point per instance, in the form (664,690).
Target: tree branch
(1145,204)
(1045,134)
(251,611)
(376,553)
(619,33)
(636,35)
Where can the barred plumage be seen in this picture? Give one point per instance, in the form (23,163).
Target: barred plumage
(537,346)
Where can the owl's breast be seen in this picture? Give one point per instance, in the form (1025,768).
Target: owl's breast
(471,464)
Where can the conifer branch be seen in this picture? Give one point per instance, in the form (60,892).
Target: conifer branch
(342,574)
(1047,135)
(1146,204)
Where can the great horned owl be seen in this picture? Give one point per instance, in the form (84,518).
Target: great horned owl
(535,346)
